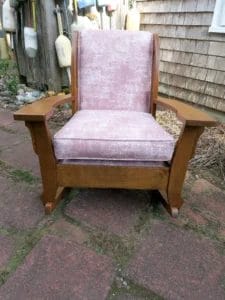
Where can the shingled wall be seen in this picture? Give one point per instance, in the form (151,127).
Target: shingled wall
(192,65)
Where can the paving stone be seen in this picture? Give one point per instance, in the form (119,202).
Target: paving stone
(59,269)
(7,121)
(6,250)
(20,205)
(19,126)
(204,205)
(177,264)
(21,156)
(8,139)
(69,231)
(201,186)
(130,297)
(193,216)
(113,210)
(222,233)
(209,199)
(6,117)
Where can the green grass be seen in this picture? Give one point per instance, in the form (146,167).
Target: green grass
(112,245)
(11,84)
(4,66)
(25,176)
(9,72)
(25,243)
(118,290)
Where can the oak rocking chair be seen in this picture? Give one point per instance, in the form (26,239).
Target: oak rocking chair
(113,139)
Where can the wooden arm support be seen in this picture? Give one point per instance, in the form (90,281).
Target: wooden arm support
(41,110)
(186,113)
(35,116)
(194,122)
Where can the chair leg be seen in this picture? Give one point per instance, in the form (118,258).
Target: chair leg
(50,199)
(172,202)
(42,145)
(175,202)
(184,151)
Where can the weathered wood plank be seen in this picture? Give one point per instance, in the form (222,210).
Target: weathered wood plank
(203,61)
(192,63)
(185,45)
(168,6)
(181,19)
(174,67)
(200,86)
(185,32)
(188,71)
(194,97)
(192,46)
(42,71)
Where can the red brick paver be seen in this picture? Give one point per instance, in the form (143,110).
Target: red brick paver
(19,207)
(170,261)
(6,117)
(177,264)
(69,231)
(6,250)
(113,210)
(7,121)
(59,269)
(8,139)
(209,199)
(22,156)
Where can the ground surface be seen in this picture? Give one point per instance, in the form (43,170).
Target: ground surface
(105,244)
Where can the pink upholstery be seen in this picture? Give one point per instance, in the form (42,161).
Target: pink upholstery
(122,163)
(114,70)
(113,135)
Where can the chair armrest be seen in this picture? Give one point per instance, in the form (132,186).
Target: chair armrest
(41,110)
(186,113)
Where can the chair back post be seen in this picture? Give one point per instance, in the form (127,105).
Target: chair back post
(155,74)
(74,71)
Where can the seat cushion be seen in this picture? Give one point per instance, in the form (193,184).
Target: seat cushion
(113,135)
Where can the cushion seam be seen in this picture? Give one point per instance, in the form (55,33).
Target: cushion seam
(113,159)
(113,140)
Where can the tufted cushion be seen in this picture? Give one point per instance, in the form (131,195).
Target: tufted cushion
(113,135)
(114,70)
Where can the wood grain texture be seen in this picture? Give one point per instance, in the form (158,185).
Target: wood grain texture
(74,71)
(56,176)
(43,71)
(175,6)
(41,110)
(112,176)
(42,143)
(184,151)
(155,74)
(186,113)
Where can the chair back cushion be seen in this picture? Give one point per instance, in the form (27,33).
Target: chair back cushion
(114,70)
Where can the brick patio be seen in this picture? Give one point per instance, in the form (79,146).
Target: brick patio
(104,244)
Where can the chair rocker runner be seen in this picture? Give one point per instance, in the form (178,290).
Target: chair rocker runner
(113,140)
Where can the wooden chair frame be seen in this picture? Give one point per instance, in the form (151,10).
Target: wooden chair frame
(57,176)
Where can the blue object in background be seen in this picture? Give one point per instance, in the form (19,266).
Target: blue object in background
(85,3)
